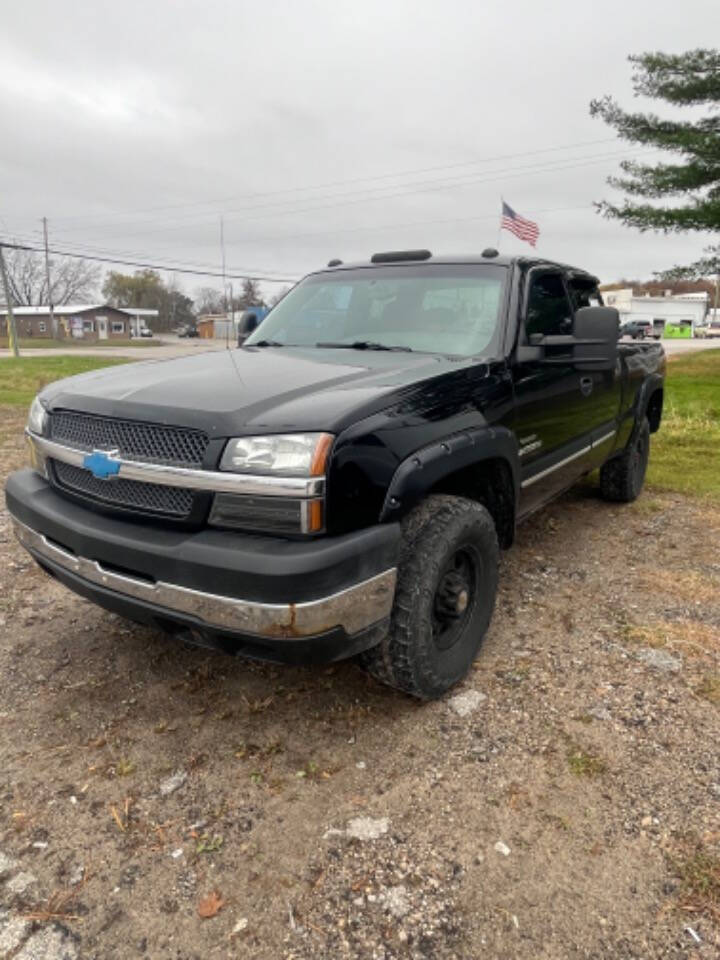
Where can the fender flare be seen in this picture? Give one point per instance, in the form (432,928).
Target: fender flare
(652,382)
(424,469)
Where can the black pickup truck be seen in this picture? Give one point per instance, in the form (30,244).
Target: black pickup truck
(340,485)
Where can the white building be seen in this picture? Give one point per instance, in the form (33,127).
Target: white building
(681,309)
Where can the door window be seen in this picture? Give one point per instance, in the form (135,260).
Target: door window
(584,294)
(549,312)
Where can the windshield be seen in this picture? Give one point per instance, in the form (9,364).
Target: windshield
(436,308)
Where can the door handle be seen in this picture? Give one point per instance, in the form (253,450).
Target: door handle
(586,386)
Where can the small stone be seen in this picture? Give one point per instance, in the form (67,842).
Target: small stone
(333,832)
(502,848)
(365,828)
(21,882)
(599,712)
(360,764)
(660,659)
(397,901)
(646,821)
(12,934)
(240,926)
(173,783)
(176,854)
(48,944)
(6,863)
(76,875)
(466,703)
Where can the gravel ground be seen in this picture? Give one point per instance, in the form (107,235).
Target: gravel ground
(564,802)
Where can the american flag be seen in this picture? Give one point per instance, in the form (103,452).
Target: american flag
(525,229)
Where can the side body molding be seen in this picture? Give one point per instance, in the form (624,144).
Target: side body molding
(427,467)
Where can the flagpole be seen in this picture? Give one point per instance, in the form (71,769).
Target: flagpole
(500,225)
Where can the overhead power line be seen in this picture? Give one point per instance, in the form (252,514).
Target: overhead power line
(341,183)
(152,266)
(334,201)
(89,249)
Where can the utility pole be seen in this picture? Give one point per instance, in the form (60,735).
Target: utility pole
(53,325)
(12,332)
(224,279)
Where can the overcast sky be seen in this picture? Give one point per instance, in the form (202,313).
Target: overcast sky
(322,129)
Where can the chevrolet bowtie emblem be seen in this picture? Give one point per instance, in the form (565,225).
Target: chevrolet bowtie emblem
(101,464)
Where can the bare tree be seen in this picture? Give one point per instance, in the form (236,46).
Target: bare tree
(208,300)
(73,281)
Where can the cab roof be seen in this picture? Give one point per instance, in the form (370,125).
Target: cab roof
(420,257)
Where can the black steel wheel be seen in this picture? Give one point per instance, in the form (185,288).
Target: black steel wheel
(444,599)
(622,478)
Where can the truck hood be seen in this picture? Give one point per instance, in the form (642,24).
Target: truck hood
(232,392)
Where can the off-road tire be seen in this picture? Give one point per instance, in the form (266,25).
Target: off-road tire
(435,533)
(622,478)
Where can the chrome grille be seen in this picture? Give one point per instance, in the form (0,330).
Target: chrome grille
(148,497)
(149,442)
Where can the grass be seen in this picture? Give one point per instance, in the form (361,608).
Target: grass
(684,453)
(47,343)
(699,873)
(22,377)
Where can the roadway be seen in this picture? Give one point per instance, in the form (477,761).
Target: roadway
(175,347)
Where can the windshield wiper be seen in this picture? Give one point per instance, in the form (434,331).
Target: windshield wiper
(363,345)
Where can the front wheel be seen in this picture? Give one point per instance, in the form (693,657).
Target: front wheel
(444,599)
(622,478)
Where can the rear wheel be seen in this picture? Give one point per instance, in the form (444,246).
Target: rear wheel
(447,580)
(622,478)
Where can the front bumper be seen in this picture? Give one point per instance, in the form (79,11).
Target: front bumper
(297,601)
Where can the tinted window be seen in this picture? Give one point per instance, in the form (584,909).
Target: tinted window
(585,294)
(548,311)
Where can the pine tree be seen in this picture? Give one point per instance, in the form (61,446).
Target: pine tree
(692,185)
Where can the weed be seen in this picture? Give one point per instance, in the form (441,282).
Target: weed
(209,844)
(709,689)
(584,763)
(124,767)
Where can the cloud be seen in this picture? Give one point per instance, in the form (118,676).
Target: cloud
(323,128)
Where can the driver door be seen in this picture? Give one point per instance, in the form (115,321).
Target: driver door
(551,418)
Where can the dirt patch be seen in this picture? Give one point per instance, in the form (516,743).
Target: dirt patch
(160,801)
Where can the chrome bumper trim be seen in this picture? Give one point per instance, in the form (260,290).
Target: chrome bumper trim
(213,480)
(353,609)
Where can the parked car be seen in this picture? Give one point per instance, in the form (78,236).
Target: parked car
(637,329)
(188,331)
(146,332)
(340,485)
(713,329)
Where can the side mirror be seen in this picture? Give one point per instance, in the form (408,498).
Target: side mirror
(596,331)
(591,346)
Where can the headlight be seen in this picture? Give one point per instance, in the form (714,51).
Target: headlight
(282,455)
(285,454)
(37,417)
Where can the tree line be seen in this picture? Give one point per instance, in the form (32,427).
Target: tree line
(82,282)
